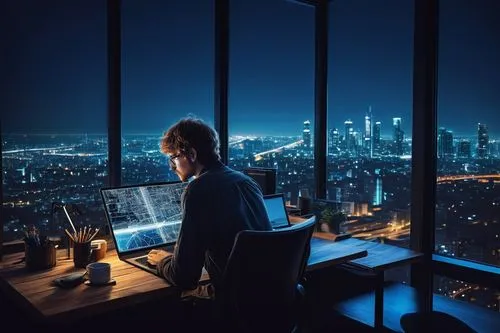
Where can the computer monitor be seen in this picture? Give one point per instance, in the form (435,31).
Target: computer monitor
(265,177)
(143,216)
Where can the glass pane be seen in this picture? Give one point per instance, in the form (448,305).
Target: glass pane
(271,93)
(54,142)
(167,74)
(370,73)
(485,297)
(468,186)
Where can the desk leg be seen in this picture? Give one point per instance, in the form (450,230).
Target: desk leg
(379,301)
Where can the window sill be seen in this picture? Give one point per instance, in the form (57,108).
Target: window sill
(466,270)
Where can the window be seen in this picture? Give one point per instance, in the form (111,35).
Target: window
(370,117)
(271,91)
(54,143)
(167,74)
(468,190)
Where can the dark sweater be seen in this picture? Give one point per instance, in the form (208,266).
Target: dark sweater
(216,206)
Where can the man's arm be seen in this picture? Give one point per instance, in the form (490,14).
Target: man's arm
(184,267)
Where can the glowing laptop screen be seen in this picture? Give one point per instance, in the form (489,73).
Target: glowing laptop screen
(276,210)
(144,216)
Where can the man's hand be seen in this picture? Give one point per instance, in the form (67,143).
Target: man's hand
(154,256)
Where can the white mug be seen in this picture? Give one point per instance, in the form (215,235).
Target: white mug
(99,272)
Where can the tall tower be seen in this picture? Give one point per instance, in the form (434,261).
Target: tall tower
(349,139)
(482,140)
(445,143)
(376,137)
(448,144)
(397,137)
(464,150)
(367,135)
(333,141)
(306,134)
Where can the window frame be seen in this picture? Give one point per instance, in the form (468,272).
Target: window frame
(114,91)
(424,132)
(221,73)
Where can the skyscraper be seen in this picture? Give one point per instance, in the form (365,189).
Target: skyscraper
(482,140)
(464,149)
(306,134)
(397,137)
(445,143)
(367,135)
(493,148)
(376,137)
(373,189)
(333,141)
(349,139)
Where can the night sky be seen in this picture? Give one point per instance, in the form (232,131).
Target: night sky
(56,75)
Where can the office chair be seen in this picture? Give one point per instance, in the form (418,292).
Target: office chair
(262,290)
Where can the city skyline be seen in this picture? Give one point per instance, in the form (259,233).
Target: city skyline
(56,65)
(386,133)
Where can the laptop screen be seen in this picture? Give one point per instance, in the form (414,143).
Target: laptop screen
(276,211)
(144,216)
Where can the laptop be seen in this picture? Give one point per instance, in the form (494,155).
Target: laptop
(143,217)
(276,210)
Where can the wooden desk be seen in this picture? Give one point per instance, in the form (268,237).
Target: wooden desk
(380,256)
(50,304)
(325,252)
(45,302)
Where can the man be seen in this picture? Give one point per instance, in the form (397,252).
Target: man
(217,204)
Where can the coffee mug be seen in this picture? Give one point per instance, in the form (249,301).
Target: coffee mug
(99,272)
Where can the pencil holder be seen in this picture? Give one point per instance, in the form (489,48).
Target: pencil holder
(40,257)
(82,254)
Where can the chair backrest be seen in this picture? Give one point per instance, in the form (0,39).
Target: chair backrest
(262,277)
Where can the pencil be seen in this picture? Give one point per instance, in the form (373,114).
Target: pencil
(69,235)
(94,234)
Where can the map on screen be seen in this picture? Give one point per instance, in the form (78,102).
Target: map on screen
(144,216)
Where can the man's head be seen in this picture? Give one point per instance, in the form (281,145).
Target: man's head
(191,145)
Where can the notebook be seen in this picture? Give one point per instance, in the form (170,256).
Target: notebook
(276,210)
(142,218)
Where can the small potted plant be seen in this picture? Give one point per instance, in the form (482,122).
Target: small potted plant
(330,220)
